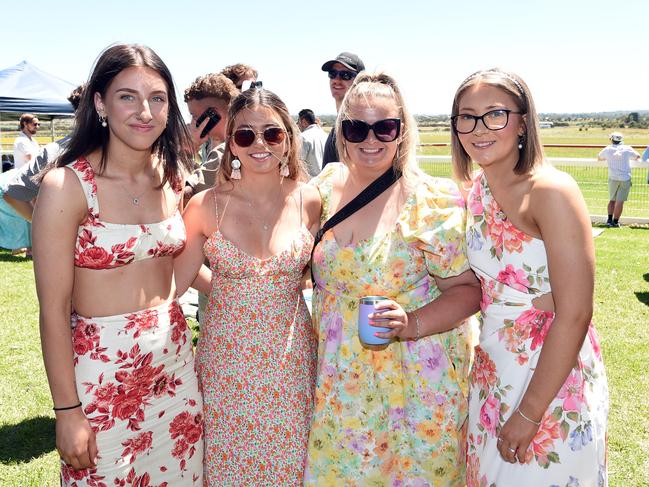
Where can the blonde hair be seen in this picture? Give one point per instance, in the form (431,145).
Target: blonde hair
(260,97)
(367,86)
(532,152)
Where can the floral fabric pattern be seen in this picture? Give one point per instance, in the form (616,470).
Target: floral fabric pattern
(104,245)
(569,448)
(136,380)
(256,357)
(390,416)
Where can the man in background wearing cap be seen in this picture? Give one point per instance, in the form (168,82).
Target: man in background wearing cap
(618,157)
(342,72)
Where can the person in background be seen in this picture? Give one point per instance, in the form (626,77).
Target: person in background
(256,355)
(393,414)
(313,141)
(538,398)
(26,147)
(210,92)
(21,190)
(618,157)
(341,71)
(240,74)
(107,224)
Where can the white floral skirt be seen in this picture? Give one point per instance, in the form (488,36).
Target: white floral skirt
(136,379)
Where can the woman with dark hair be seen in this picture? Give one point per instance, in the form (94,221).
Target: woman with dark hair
(117,349)
(257,353)
(538,398)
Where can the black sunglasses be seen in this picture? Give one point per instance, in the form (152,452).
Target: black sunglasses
(246,137)
(385,130)
(342,74)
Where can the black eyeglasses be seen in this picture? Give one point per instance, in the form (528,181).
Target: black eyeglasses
(246,137)
(36,123)
(342,74)
(385,130)
(493,120)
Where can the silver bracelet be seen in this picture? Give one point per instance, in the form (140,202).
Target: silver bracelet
(414,313)
(537,423)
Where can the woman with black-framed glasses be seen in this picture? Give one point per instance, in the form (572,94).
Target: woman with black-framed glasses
(390,414)
(538,397)
(256,355)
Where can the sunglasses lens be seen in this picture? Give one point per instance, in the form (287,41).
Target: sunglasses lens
(244,137)
(332,74)
(274,135)
(346,75)
(387,130)
(355,131)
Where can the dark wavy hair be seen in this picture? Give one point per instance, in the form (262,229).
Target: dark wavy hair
(89,135)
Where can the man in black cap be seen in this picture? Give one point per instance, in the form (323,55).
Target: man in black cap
(342,72)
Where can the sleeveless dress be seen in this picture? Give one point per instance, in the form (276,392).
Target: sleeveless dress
(135,372)
(396,415)
(256,359)
(569,448)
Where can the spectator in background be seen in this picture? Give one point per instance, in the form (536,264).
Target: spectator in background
(210,92)
(240,73)
(342,72)
(26,147)
(313,141)
(618,157)
(21,189)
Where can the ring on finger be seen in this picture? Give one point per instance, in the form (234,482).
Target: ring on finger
(498,440)
(513,450)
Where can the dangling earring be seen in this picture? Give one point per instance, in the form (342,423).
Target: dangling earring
(236,169)
(283,169)
(521,141)
(102,121)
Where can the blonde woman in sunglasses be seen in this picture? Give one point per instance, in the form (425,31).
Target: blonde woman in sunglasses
(257,351)
(391,408)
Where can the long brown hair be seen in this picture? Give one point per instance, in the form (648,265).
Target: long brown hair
(88,135)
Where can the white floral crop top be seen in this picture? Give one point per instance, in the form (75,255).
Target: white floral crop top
(105,245)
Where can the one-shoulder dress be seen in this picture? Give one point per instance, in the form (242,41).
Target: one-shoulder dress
(569,448)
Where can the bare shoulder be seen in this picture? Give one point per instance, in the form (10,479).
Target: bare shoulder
(551,186)
(311,203)
(62,188)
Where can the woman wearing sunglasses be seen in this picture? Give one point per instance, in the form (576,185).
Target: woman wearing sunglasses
(257,351)
(391,414)
(538,397)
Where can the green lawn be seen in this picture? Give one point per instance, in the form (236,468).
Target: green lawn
(27,456)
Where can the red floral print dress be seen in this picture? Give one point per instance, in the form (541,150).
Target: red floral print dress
(256,358)
(569,449)
(135,372)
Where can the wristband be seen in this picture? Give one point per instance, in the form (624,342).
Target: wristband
(537,423)
(66,408)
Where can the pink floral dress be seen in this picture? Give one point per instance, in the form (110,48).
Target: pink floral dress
(569,449)
(256,358)
(135,372)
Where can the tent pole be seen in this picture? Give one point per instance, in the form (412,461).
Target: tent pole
(52,130)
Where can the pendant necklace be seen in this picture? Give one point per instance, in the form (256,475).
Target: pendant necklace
(135,199)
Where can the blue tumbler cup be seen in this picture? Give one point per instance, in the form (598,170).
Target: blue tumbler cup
(365,330)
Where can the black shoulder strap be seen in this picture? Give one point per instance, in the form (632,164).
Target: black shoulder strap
(373,190)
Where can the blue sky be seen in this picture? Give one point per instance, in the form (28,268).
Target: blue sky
(575,55)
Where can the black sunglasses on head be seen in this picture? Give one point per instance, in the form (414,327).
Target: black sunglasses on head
(342,74)
(246,137)
(385,130)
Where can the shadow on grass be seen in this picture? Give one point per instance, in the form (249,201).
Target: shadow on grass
(646,276)
(643,297)
(28,439)
(7,257)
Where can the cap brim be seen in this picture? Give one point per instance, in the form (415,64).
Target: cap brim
(330,64)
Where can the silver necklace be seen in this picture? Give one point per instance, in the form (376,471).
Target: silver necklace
(135,199)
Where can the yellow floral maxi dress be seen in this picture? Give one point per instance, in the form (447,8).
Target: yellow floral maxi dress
(393,416)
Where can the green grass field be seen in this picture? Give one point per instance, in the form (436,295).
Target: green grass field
(28,458)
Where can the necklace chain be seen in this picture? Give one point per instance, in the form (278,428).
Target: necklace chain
(135,199)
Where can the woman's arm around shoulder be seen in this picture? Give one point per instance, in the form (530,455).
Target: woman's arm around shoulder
(311,207)
(60,208)
(199,216)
